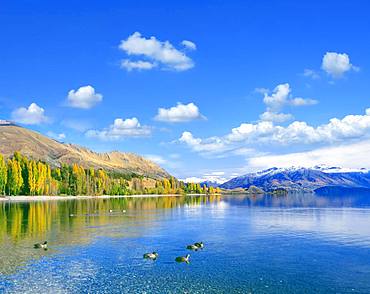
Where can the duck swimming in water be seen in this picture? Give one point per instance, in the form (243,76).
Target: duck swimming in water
(151,256)
(192,247)
(183,258)
(196,246)
(200,245)
(41,245)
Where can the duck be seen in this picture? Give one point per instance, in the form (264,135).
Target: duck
(110,210)
(200,245)
(151,256)
(41,245)
(192,247)
(183,258)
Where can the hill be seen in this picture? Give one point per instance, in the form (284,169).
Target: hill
(34,145)
(301,179)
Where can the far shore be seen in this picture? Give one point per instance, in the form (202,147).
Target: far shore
(23,198)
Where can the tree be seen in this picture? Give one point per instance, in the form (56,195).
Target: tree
(32,177)
(3,175)
(15,180)
(41,179)
(23,176)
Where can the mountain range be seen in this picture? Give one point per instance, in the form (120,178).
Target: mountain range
(37,146)
(34,145)
(317,178)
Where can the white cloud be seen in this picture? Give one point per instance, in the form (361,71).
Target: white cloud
(311,74)
(189,44)
(85,97)
(336,64)
(351,126)
(279,98)
(163,53)
(209,145)
(33,115)
(56,136)
(275,116)
(266,133)
(121,129)
(354,155)
(179,113)
(138,65)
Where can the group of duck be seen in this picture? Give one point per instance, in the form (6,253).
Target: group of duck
(110,211)
(194,247)
(151,255)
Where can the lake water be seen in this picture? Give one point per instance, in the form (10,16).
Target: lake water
(253,244)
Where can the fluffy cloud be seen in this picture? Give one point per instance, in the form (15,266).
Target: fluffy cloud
(336,64)
(280,97)
(264,132)
(351,126)
(33,115)
(137,65)
(85,97)
(189,45)
(121,129)
(179,113)
(157,52)
(209,145)
(354,155)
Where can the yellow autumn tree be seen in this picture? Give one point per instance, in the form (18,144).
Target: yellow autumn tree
(15,180)
(3,175)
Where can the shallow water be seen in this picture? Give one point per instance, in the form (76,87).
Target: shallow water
(253,244)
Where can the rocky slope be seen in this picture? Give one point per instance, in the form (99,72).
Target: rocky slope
(34,145)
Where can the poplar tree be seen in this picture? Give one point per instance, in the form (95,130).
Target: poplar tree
(3,175)
(15,180)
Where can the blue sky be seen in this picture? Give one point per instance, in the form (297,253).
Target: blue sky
(242,85)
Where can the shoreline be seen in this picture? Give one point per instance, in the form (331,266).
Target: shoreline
(71,197)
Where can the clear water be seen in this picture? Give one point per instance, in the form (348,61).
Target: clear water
(256,244)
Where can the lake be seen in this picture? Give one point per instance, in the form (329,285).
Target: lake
(253,244)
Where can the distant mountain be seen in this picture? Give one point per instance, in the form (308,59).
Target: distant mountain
(34,145)
(302,179)
(210,184)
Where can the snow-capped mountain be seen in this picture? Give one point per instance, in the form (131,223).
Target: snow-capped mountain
(302,179)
